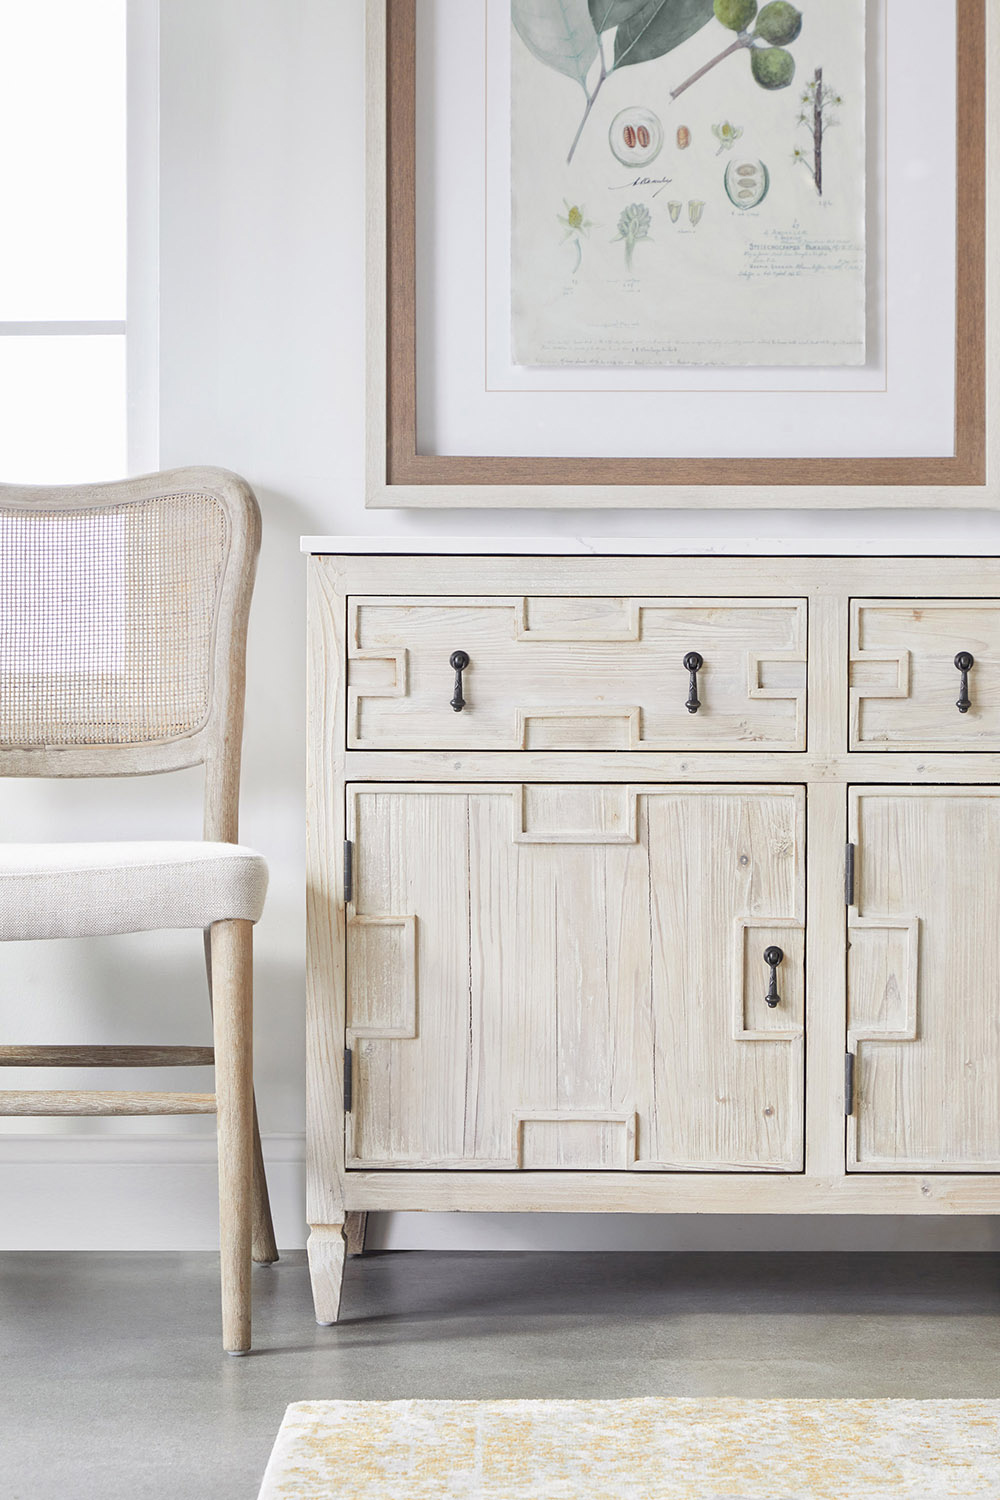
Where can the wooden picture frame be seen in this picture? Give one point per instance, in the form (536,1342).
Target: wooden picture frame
(400,475)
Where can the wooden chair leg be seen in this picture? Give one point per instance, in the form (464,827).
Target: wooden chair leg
(355,1230)
(232,1015)
(265,1246)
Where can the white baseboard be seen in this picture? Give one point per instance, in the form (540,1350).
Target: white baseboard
(137,1192)
(158,1192)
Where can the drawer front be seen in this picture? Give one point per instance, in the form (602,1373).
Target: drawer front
(549,673)
(908,692)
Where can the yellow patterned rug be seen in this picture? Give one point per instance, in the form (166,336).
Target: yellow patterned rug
(652,1449)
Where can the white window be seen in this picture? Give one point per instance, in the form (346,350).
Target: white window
(65,329)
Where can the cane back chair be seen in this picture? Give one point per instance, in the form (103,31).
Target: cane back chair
(123,623)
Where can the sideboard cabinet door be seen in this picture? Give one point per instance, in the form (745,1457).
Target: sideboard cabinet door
(580,977)
(924,979)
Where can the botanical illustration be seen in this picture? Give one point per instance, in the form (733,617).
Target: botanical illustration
(636,136)
(569,35)
(818,104)
(633,226)
(577,227)
(747,183)
(727,135)
(667,123)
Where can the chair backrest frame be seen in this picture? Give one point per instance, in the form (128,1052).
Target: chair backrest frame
(216,742)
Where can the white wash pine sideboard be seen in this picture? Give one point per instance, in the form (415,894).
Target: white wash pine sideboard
(643,883)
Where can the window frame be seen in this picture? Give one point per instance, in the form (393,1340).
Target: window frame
(140,326)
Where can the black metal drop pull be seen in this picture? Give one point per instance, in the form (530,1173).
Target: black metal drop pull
(773,957)
(459,660)
(693,663)
(964,661)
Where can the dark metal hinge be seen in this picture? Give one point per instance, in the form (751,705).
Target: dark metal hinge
(849,875)
(348,1080)
(849,1060)
(348,871)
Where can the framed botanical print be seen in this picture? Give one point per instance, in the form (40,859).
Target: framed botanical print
(648,253)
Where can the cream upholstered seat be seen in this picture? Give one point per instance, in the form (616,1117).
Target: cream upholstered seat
(123,621)
(93,890)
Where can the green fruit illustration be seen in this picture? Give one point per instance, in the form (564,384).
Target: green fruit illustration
(773,67)
(779,23)
(736,14)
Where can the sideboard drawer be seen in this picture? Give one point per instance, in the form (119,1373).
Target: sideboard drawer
(925,674)
(594,673)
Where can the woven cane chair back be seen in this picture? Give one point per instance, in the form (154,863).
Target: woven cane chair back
(123,616)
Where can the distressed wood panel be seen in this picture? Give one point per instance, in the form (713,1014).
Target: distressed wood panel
(576,673)
(676,1193)
(924,979)
(904,682)
(382,956)
(583,978)
(637,569)
(102,1102)
(705,1098)
(554,766)
(561,1139)
(885,941)
(412,860)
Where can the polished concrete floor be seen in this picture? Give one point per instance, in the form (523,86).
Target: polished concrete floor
(114,1384)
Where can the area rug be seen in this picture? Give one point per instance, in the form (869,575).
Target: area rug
(652,1449)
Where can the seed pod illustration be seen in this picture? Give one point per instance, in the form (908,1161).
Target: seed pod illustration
(636,136)
(683,137)
(747,183)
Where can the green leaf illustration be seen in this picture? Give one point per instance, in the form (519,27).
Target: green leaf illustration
(608,13)
(658,27)
(560,33)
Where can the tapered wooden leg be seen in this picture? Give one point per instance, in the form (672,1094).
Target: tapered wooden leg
(265,1247)
(327,1249)
(355,1229)
(232,1013)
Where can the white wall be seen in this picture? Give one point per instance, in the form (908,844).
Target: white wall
(261,358)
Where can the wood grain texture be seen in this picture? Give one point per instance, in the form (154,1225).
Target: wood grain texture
(355,1233)
(106,1057)
(102,1102)
(401,475)
(674,1192)
(581,979)
(583,673)
(904,682)
(264,1247)
(924,979)
(826,959)
(622,767)
(232,1020)
(767,579)
(325,916)
(578,822)
(326,1248)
